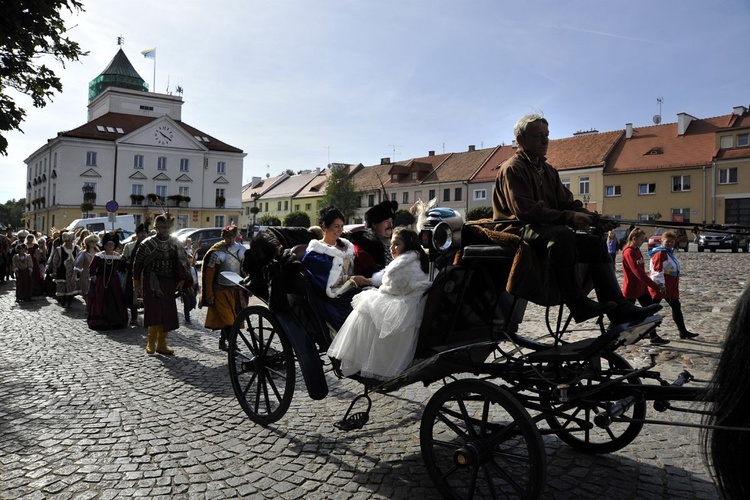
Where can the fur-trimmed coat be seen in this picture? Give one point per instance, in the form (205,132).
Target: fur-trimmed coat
(329,266)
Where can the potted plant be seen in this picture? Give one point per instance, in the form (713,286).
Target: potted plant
(137,199)
(87,206)
(152,197)
(220,200)
(175,198)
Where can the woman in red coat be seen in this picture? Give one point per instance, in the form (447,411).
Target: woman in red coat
(665,270)
(636,283)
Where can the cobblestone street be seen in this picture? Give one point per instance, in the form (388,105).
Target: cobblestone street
(87,414)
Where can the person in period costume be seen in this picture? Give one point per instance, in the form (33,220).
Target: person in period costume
(22,267)
(37,256)
(83,263)
(106,304)
(190,295)
(223,298)
(372,245)
(532,202)
(160,271)
(379,337)
(330,264)
(128,258)
(665,271)
(63,267)
(636,282)
(5,257)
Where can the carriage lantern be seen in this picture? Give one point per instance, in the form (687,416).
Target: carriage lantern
(442,230)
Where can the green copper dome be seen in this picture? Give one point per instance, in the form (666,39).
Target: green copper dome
(119,73)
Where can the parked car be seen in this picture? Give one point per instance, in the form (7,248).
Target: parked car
(718,240)
(207,235)
(682,238)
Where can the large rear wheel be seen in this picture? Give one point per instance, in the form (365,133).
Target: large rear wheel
(261,365)
(478,441)
(577,428)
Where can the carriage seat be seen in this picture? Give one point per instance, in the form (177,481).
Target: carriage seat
(489,253)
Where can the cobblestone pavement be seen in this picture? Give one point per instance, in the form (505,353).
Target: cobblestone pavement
(87,414)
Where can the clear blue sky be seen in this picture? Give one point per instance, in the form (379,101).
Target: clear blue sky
(298,83)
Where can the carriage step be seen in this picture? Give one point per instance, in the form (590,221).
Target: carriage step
(355,421)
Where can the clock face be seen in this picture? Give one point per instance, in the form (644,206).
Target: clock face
(163,135)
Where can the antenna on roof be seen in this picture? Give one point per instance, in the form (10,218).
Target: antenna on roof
(120,40)
(657,118)
(394,146)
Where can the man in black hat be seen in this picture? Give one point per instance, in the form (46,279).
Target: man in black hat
(128,256)
(372,246)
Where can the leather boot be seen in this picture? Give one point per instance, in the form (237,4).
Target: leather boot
(151,341)
(223,340)
(161,343)
(581,307)
(608,289)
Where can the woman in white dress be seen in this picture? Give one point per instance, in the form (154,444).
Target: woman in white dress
(379,337)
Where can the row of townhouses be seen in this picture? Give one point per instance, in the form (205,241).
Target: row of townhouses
(692,170)
(135,150)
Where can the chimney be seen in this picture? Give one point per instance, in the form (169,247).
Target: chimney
(431,153)
(683,122)
(628,130)
(385,161)
(739,110)
(472,147)
(255,181)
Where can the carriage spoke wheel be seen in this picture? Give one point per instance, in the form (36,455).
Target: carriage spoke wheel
(261,365)
(578,429)
(479,442)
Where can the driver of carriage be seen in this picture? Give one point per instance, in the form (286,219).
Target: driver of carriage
(330,264)
(529,194)
(372,245)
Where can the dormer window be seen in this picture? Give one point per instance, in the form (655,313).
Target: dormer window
(394,177)
(655,151)
(742,140)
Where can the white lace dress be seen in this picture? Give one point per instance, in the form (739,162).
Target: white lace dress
(379,337)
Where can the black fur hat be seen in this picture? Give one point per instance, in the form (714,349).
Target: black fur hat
(380,212)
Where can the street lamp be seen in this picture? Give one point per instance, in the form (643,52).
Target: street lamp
(586,199)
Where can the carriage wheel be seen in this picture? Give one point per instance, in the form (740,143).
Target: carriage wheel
(595,439)
(262,369)
(479,442)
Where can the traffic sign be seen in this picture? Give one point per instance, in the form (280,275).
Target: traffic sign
(112,206)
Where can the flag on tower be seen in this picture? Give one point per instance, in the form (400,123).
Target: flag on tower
(149,53)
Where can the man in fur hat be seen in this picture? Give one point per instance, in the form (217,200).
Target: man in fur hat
(222,297)
(372,246)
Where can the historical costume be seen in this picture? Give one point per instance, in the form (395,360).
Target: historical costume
(63,267)
(22,267)
(371,244)
(126,263)
(5,257)
(106,303)
(83,264)
(160,271)
(379,337)
(222,297)
(329,268)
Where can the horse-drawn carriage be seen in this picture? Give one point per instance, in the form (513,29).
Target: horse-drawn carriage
(481,432)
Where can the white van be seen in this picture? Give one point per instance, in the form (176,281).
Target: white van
(96,224)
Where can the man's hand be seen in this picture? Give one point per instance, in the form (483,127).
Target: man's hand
(606,224)
(581,220)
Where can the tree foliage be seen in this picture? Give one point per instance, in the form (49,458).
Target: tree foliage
(478,213)
(29,31)
(269,220)
(297,219)
(340,190)
(11,212)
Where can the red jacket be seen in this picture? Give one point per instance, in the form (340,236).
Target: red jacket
(636,282)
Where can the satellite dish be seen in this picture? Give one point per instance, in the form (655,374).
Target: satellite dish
(657,119)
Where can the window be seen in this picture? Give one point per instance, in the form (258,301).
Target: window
(612,191)
(394,178)
(266,210)
(220,193)
(286,205)
(446,195)
(219,221)
(296,207)
(278,206)
(680,183)
(161,163)
(647,189)
(565,182)
(728,175)
(681,214)
(480,194)
(645,216)
(182,221)
(184,190)
(161,192)
(138,161)
(90,188)
(91,158)
(742,140)
(583,185)
(458,194)
(308,206)
(726,141)
(371,200)
(414,176)
(137,189)
(393,197)
(405,197)
(431,194)
(221,167)
(184,165)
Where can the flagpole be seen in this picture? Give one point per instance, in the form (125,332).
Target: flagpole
(154,71)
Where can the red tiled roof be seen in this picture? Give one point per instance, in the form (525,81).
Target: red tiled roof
(129,123)
(460,166)
(370,178)
(696,147)
(488,172)
(582,151)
